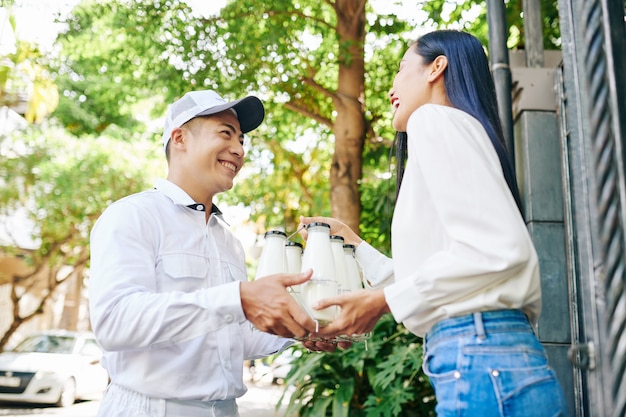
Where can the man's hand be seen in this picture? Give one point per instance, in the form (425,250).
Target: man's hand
(269,306)
(322,345)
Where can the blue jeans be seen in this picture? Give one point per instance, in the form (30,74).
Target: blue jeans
(491,364)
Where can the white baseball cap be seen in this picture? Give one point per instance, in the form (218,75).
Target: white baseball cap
(249,110)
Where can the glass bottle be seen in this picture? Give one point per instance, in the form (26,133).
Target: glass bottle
(273,259)
(341,273)
(293,252)
(318,256)
(353,272)
(354,283)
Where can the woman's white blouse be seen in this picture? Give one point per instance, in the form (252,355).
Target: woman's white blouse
(459,243)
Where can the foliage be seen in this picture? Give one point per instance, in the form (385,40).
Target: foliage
(379,377)
(150,52)
(116,66)
(25,83)
(137,56)
(456,14)
(63,184)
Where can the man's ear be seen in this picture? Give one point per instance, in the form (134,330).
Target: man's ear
(437,67)
(177,137)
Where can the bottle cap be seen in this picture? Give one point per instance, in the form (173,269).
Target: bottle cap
(275,232)
(318,224)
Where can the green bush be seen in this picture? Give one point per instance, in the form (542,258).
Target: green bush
(379,377)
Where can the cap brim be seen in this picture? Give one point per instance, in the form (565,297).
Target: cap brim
(250,112)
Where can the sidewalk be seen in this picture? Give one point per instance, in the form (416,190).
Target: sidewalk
(261,398)
(259,401)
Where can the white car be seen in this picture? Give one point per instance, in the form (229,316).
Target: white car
(53,367)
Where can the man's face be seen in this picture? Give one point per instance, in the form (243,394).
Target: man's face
(211,154)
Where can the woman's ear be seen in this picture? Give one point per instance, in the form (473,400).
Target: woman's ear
(437,67)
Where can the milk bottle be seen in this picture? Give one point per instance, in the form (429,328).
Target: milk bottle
(293,252)
(273,259)
(341,272)
(353,273)
(318,256)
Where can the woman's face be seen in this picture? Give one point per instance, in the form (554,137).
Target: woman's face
(411,88)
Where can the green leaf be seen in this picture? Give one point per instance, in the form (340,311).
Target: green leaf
(343,398)
(396,364)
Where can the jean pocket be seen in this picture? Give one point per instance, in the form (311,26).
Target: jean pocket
(441,367)
(532,392)
(522,380)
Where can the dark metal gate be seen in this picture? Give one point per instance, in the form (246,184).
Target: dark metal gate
(592,114)
(569,126)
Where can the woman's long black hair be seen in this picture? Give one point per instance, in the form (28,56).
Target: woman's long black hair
(470,87)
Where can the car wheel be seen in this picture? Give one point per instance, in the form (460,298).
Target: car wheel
(68,395)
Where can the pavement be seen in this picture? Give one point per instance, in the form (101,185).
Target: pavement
(259,401)
(262,396)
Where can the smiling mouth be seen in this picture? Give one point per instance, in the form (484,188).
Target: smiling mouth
(229,165)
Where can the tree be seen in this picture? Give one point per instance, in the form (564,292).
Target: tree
(63,183)
(312,78)
(322,68)
(25,84)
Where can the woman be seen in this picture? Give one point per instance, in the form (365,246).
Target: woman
(465,274)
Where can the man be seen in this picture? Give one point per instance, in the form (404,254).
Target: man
(169,296)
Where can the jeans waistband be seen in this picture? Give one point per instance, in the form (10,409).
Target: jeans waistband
(479,324)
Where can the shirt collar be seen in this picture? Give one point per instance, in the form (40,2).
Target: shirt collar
(202,207)
(180,197)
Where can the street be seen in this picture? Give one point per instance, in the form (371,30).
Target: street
(259,401)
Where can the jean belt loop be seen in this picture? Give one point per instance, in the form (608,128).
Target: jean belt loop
(480,326)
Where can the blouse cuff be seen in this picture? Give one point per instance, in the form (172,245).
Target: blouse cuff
(377,268)
(402,298)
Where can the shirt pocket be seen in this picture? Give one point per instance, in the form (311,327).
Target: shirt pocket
(233,272)
(184,272)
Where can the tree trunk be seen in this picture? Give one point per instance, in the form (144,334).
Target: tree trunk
(349,126)
(73,300)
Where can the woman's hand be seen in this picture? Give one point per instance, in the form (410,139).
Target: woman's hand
(336,228)
(360,311)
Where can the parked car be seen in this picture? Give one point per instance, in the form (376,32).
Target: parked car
(53,367)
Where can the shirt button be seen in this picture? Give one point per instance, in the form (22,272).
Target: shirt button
(200,207)
(495,373)
(457,374)
(228,318)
